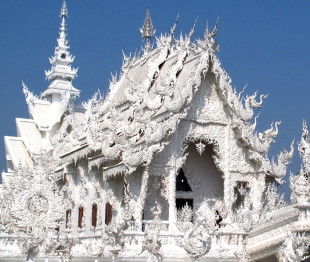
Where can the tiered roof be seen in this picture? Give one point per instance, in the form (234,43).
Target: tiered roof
(62,74)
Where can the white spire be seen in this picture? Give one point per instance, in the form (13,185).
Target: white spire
(147,31)
(62,35)
(64,10)
(61,74)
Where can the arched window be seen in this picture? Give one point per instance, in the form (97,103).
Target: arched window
(94,215)
(181,185)
(108,213)
(81,214)
(68,218)
(181,182)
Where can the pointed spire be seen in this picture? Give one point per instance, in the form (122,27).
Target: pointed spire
(63,26)
(61,74)
(147,31)
(64,9)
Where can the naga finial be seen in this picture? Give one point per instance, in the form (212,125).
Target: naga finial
(212,34)
(175,25)
(193,29)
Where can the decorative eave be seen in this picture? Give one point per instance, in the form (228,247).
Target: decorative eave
(75,92)
(76,154)
(61,71)
(115,170)
(96,161)
(58,60)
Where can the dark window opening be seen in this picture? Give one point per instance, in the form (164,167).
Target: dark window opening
(108,213)
(241,192)
(63,56)
(181,202)
(218,219)
(181,182)
(68,218)
(80,220)
(143,225)
(94,215)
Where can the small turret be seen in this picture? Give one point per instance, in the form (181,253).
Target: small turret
(61,74)
(147,31)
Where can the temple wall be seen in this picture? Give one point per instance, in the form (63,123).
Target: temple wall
(154,194)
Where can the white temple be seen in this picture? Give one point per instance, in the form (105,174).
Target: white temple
(168,166)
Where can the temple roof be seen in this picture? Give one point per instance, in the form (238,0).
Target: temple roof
(145,104)
(154,92)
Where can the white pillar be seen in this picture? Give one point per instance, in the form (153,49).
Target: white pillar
(172,207)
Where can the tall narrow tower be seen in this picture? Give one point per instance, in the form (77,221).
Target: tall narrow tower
(61,74)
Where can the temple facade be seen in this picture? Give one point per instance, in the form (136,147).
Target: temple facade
(167,166)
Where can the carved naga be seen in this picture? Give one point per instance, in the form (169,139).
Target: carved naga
(250,102)
(278,169)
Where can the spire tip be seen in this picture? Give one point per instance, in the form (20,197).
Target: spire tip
(64,9)
(147,30)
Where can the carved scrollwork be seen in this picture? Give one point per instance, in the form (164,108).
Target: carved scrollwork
(197,235)
(294,249)
(36,201)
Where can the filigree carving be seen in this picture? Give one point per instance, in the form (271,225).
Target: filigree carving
(294,249)
(197,235)
(300,188)
(36,201)
(151,243)
(272,201)
(304,147)
(162,100)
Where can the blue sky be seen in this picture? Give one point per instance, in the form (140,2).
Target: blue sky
(264,44)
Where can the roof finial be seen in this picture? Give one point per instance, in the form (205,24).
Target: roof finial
(172,31)
(147,31)
(174,26)
(64,10)
(209,38)
(63,26)
(62,74)
(193,28)
(212,34)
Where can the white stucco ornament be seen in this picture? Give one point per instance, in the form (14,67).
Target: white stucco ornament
(35,202)
(167,166)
